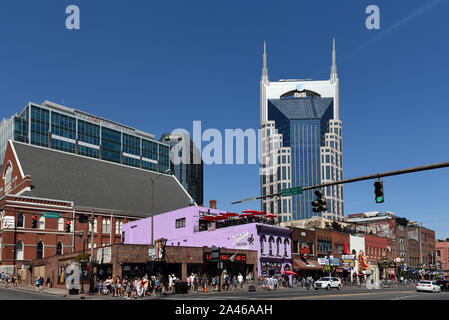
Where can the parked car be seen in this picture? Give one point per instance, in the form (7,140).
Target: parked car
(327,283)
(431,286)
(444,284)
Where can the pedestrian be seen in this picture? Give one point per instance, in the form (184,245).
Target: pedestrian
(100,286)
(48,282)
(204,283)
(41,281)
(37,283)
(240,280)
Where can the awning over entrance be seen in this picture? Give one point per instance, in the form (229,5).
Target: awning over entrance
(306,264)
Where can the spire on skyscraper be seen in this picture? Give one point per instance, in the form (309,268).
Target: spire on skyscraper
(265,69)
(334,75)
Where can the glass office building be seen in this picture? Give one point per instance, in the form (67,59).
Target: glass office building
(303,123)
(57,127)
(189,173)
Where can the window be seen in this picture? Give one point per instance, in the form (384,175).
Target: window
(270,246)
(41,223)
(438,253)
(180,223)
(40,250)
(106,226)
(118,227)
(59,249)
(286,243)
(19,250)
(8,174)
(95,226)
(278,245)
(262,241)
(61,224)
(20,220)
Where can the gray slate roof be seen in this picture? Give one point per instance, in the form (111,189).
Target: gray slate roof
(94,183)
(302,108)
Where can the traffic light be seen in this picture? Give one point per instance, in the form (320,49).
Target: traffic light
(67,226)
(83,218)
(34,222)
(320,204)
(379,191)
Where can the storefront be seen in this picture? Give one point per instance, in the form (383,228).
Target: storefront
(307,267)
(139,260)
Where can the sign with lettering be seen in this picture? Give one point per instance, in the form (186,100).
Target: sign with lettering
(226,257)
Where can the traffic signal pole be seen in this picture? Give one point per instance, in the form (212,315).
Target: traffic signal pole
(369,177)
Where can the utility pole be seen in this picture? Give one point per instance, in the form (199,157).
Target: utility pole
(92,283)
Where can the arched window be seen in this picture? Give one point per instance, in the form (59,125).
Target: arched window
(106,226)
(262,243)
(41,224)
(278,245)
(95,226)
(20,220)
(59,249)
(270,245)
(286,243)
(61,224)
(19,250)
(40,250)
(118,227)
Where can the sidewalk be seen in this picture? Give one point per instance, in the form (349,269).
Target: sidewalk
(53,291)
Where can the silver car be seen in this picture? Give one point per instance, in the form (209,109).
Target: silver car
(431,286)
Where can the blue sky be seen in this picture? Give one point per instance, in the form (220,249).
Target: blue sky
(159,65)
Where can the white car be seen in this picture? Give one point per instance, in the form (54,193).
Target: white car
(431,286)
(327,283)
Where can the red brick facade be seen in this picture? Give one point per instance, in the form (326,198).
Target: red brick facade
(19,241)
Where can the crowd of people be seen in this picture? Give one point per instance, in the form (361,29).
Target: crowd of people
(139,287)
(13,280)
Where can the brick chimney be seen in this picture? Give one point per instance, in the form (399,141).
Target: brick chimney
(213,204)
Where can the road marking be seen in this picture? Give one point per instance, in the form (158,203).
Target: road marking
(336,295)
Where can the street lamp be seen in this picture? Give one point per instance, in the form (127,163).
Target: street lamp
(329,261)
(168,171)
(84,251)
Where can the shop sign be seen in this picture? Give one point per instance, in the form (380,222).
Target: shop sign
(152,254)
(335,261)
(104,255)
(347,264)
(226,257)
(323,261)
(348,257)
(270,264)
(238,240)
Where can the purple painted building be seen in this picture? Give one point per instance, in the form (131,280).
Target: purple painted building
(188,227)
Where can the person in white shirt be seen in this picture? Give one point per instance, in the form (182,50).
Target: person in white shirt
(240,280)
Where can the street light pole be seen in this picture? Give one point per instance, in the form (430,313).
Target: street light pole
(168,171)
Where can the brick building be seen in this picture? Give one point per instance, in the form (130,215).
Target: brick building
(442,256)
(127,260)
(56,187)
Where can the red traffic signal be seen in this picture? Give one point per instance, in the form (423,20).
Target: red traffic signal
(67,227)
(34,222)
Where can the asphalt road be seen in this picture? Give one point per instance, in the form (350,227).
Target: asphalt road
(400,293)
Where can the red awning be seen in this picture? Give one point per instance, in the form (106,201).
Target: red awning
(299,264)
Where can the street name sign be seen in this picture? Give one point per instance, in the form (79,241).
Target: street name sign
(52,215)
(291,191)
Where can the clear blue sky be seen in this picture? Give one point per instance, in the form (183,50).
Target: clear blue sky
(159,65)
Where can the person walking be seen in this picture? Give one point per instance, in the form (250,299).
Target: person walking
(240,280)
(37,283)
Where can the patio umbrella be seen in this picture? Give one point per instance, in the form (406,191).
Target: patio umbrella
(258,213)
(246,215)
(270,215)
(208,218)
(230,214)
(220,218)
(290,272)
(250,211)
